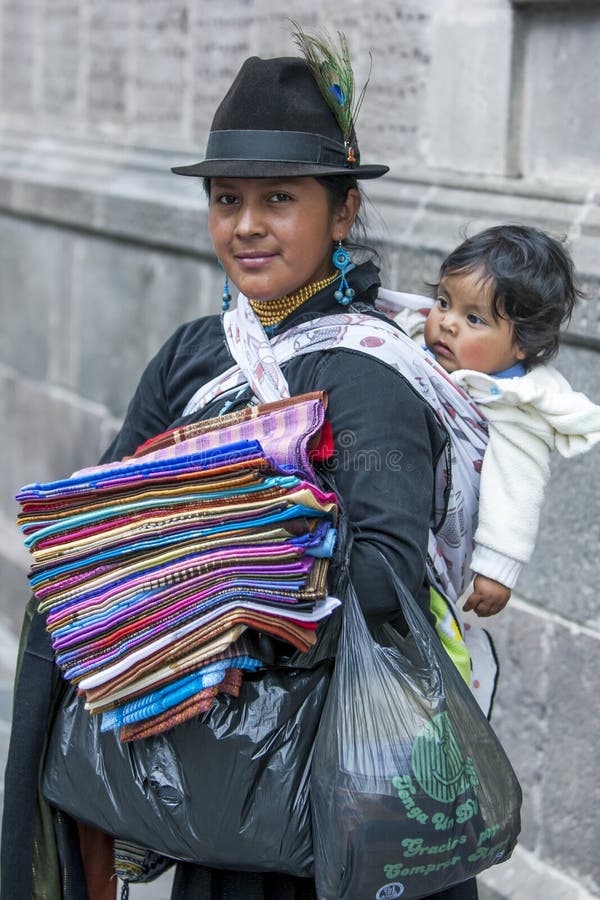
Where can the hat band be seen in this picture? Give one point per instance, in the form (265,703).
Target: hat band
(278,146)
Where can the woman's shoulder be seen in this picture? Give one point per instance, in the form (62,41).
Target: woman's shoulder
(195,353)
(364,347)
(354,379)
(190,336)
(193,348)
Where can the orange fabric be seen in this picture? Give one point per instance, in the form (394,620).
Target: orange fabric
(97,854)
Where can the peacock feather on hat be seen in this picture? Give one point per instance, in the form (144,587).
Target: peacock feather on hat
(332,70)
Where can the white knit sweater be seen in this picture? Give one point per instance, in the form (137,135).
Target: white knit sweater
(529,416)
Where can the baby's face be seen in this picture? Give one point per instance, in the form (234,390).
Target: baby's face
(462,332)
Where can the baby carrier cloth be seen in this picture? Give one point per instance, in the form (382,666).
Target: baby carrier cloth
(258,364)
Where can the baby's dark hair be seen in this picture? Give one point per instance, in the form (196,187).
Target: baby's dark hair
(533,283)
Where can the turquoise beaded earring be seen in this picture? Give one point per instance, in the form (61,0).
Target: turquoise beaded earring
(226,296)
(342,261)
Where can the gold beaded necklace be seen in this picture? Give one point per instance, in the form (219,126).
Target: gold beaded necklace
(270,312)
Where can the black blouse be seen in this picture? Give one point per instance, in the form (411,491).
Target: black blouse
(386,437)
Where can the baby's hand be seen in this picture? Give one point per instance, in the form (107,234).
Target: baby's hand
(488,597)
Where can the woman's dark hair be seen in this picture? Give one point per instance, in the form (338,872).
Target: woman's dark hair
(532,280)
(337,187)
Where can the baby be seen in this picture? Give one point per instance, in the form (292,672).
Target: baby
(502,297)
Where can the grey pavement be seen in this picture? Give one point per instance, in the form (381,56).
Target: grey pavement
(157,890)
(8,654)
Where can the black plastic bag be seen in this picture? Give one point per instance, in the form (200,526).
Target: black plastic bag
(411,789)
(229,789)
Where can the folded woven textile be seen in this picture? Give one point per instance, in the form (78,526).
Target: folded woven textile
(194,706)
(169,696)
(149,569)
(225,647)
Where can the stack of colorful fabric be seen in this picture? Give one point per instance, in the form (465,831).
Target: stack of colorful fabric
(157,573)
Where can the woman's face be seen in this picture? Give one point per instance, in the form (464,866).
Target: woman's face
(274,235)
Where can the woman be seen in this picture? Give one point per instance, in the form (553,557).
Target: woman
(281,175)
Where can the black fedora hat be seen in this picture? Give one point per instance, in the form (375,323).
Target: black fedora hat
(274,122)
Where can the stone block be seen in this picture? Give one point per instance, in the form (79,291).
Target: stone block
(19,56)
(28,266)
(156,221)
(61,60)
(160,66)
(563,572)
(544,717)
(14,594)
(570,809)
(109,430)
(222,38)
(52,433)
(580,367)
(36,334)
(486,892)
(583,242)
(393,117)
(562,62)
(438,212)
(520,638)
(583,235)
(108,79)
(129,300)
(469,86)
(408,269)
(47,196)
(9,414)
(433,218)
(6,191)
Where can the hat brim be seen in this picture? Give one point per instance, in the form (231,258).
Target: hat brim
(257,168)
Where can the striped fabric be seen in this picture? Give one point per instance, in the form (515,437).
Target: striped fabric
(152,571)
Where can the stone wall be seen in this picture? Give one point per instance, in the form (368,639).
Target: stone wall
(486,111)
